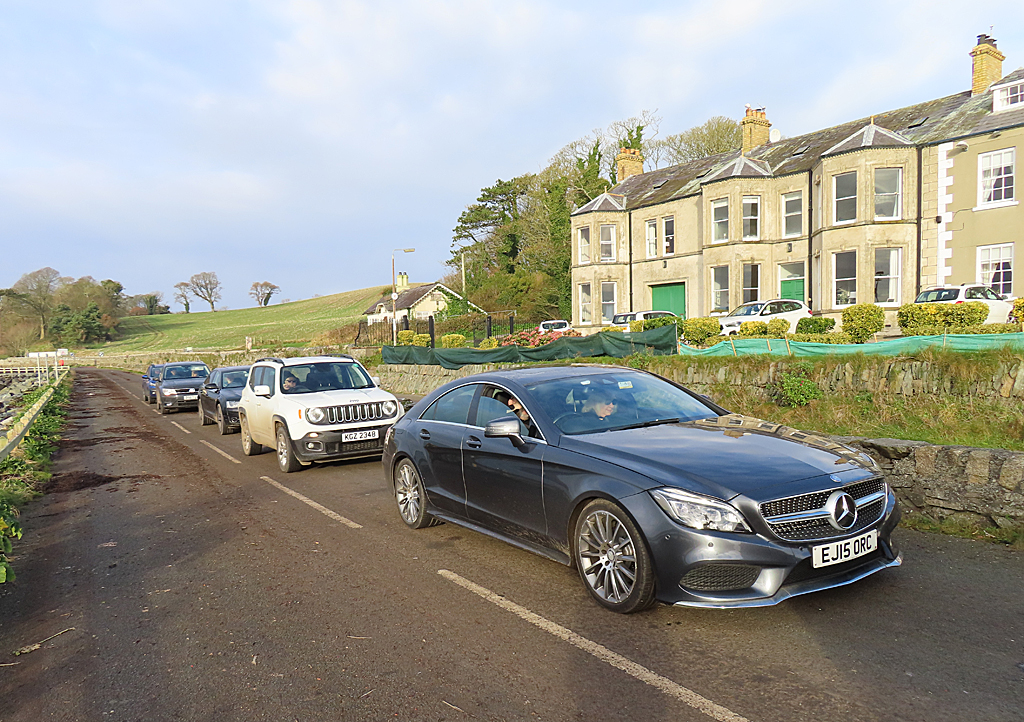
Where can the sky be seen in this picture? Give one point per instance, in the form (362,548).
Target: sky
(301,142)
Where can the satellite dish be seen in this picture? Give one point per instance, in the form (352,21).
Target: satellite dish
(775,135)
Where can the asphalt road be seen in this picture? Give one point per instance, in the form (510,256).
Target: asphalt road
(198,584)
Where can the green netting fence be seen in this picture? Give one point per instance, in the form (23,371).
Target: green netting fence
(662,341)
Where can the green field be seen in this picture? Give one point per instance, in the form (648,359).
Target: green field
(285,324)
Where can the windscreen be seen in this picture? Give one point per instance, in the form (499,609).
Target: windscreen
(192,371)
(751,309)
(938,294)
(613,401)
(323,376)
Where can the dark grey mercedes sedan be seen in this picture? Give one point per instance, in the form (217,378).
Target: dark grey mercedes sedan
(651,491)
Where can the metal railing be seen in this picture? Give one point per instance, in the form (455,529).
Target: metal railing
(14,435)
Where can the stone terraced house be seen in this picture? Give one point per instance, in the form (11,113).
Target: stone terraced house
(870,211)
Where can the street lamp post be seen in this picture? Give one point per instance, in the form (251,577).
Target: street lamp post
(394,296)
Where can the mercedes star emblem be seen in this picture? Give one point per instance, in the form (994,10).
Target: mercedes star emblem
(842,510)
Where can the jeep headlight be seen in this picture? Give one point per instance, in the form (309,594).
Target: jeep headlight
(699,512)
(389,408)
(315,416)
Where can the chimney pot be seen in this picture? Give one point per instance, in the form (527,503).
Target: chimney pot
(987,66)
(756,129)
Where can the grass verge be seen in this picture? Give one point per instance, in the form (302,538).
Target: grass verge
(24,470)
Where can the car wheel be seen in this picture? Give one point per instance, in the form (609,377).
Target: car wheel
(612,558)
(160,407)
(286,460)
(203,421)
(249,447)
(222,424)
(411,497)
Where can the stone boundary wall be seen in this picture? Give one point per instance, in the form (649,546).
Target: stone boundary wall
(981,486)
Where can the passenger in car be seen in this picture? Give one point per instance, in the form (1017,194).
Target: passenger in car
(601,403)
(290,384)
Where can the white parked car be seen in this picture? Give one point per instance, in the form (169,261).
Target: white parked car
(621,319)
(316,408)
(558,325)
(999,306)
(788,309)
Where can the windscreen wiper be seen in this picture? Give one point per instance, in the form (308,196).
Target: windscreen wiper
(652,422)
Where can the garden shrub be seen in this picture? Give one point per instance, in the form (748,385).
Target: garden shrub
(862,321)
(405,338)
(912,316)
(636,326)
(778,328)
(453,340)
(488,343)
(531,337)
(815,324)
(984,328)
(835,337)
(646,324)
(1018,310)
(698,330)
(421,339)
(754,328)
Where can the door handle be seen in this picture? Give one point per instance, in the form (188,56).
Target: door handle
(473,442)
(424,434)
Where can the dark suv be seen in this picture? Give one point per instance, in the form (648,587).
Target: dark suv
(218,398)
(179,385)
(149,381)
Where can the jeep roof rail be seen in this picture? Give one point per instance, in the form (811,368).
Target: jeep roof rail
(268,358)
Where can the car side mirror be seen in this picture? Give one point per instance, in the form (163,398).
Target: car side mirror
(210,386)
(145,378)
(505,428)
(261,390)
(706,397)
(375,380)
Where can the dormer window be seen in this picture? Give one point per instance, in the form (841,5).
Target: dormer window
(1008,97)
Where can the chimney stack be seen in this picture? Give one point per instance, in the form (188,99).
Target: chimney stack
(755,127)
(988,64)
(628,163)
(402,283)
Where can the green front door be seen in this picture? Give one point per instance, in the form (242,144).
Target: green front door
(792,289)
(670,297)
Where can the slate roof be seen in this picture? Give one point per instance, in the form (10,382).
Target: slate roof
(410,297)
(934,121)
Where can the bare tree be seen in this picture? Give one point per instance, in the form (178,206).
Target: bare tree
(181,294)
(717,135)
(261,291)
(205,286)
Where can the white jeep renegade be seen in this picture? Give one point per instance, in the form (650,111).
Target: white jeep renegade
(316,408)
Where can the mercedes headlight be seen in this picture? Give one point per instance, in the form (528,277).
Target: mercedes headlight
(389,408)
(699,512)
(315,416)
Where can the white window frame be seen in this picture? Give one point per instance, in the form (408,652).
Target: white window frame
(613,303)
(1004,201)
(669,236)
(715,205)
(1008,97)
(610,243)
(836,199)
(586,307)
(583,244)
(755,201)
(652,238)
(982,271)
(898,212)
(836,280)
(745,288)
(799,197)
(897,279)
(717,291)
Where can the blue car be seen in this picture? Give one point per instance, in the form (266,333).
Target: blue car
(652,492)
(150,380)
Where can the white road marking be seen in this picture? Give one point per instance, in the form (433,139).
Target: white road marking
(319,507)
(225,454)
(689,697)
(181,427)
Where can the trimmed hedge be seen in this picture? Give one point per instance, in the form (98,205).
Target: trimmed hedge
(778,328)
(1018,310)
(421,339)
(815,324)
(911,316)
(862,321)
(984,328)
(453,340)
(405,338)
(488,343)
(698,330)
(754,328)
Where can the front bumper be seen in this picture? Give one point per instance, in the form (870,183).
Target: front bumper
(327,445)
(178,402)
(720,570)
